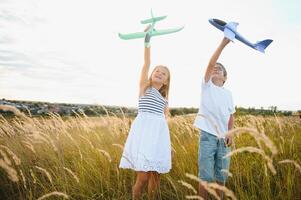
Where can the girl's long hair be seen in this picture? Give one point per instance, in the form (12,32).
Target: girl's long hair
(164,90)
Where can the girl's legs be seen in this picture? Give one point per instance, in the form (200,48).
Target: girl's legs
(141,181)
(153,184)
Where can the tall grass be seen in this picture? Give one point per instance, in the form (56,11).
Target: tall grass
(78,158)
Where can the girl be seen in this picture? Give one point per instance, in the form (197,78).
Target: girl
(147,149)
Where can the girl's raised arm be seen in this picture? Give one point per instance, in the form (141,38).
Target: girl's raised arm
(145,69)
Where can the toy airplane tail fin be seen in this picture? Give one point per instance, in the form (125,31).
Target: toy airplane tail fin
(262,45)
(151,20)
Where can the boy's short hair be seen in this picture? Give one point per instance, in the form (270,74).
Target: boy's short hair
(223,68)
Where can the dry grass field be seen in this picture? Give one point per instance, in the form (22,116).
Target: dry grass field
(78,158)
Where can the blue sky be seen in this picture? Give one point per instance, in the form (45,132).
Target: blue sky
(69,51)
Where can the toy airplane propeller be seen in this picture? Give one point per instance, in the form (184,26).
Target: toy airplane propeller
(151,30)
(230,32)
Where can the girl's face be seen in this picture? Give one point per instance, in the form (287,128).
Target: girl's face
(160,75)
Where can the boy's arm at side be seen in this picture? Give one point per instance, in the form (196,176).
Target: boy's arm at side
(229,138)
(214,58)
(231,122)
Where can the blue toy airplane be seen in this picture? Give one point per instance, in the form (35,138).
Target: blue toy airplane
(230,32)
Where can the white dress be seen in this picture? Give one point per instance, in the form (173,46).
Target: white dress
(147,147)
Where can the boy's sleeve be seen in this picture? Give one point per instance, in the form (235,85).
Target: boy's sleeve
(204,84)
(231,106)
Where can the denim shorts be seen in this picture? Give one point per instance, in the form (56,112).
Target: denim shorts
(212,165)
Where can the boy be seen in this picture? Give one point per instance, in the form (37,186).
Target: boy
(215,118)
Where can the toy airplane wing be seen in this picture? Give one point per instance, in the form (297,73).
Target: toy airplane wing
(166,31)
(232,25)
(230,30)
(153,33)
(132,35)
(229,34)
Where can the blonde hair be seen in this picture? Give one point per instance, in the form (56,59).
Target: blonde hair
(164,90)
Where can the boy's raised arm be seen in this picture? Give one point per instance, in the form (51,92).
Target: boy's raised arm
(214,58)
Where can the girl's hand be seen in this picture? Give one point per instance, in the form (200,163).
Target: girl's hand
(147,37)
(147,28)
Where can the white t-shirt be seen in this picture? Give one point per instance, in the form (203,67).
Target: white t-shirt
(215,109)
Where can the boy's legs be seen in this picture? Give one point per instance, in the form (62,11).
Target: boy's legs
(207,151)
(222,164)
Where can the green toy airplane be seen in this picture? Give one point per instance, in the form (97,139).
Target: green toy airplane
(151,30)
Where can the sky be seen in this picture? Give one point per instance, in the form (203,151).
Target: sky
(68,51)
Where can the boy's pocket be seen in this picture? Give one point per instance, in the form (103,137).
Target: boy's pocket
(204,136)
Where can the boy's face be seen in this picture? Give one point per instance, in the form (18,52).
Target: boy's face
(218,74)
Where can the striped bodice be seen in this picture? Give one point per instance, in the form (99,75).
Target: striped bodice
(152,102)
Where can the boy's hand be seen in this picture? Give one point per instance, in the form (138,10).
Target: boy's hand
(225,41)
(228,140)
